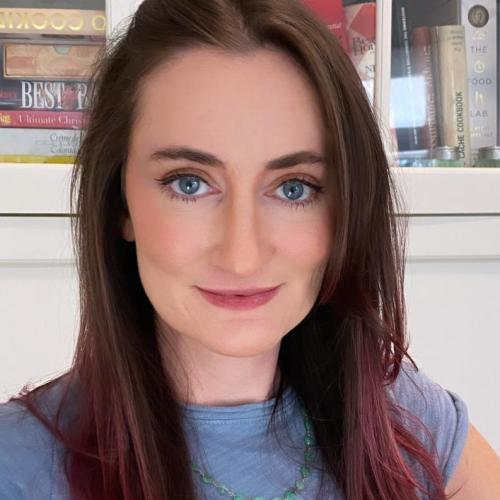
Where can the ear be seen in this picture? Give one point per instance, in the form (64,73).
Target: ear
(127,229)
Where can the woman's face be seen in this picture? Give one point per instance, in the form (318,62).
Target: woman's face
(230,222)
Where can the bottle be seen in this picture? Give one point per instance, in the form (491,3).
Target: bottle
(447,156)
(488,156)
(413,158)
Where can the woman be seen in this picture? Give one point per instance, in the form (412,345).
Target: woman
(231,150)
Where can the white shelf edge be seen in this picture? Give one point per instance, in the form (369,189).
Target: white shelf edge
(447,191)
(35,189)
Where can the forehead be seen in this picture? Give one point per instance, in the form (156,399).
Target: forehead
(259,104)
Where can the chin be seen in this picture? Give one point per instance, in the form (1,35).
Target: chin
(243,348)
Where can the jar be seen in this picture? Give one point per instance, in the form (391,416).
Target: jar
(488,156)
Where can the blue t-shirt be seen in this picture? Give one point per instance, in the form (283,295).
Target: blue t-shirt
(231,443)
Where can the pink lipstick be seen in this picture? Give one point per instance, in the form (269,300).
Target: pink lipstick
(239,299)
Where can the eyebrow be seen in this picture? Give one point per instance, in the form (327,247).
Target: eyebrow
(204,158)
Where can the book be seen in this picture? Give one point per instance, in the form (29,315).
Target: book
(331,12)
(48,60)
(64,21)
(480,21)
(421,49)
(407,91)
(45,76)
(36,159)
(448,42)
(56,4)
(361,32)
(39,145)
(42,119)
(43,95)
(479,18)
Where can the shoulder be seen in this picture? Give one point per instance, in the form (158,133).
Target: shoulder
(443,412)
(27,451)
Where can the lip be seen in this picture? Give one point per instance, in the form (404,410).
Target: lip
(239,299)
(240,291)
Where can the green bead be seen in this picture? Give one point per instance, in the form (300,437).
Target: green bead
(239,497)
(206,478)
(309,454)
(299,484)
(222,489)
(305,471)
(276,498)
(258,498)
(309,440)
(290,495)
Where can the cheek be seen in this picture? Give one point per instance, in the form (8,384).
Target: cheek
(306,245)
(164,237)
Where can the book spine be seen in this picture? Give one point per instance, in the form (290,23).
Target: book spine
(10,158)
(55,61)
(421,46)
(331,12)
(480,21)
(42,119)
(43,95)
(22,21)
(360,29)
(18,142)
(454,97)
(403,92)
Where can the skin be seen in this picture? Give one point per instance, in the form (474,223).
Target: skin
(246,111)
(478,472)
(239,233)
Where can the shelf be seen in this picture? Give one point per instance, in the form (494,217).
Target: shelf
(44,189)
(430,191)
(35,240)
(37,189)
(31,188)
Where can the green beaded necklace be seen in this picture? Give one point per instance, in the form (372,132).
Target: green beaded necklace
(290,493)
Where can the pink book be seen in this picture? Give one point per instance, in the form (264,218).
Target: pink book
(331,12)
(360,29)
(14,118)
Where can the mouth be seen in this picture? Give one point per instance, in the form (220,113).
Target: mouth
(239,299)
(247,292)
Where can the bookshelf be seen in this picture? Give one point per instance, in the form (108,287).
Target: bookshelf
(44,188)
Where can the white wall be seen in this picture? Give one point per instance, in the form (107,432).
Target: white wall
(452,289)
(454,324)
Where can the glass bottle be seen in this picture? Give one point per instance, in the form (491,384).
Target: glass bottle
(488,156)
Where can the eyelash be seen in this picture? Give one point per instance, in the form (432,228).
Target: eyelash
(165,186)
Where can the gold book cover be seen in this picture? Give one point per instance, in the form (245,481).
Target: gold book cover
(51,61)
(23,21)
(36,159)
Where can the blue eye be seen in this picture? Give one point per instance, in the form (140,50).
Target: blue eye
(189,184)
(293,188)
(296,189)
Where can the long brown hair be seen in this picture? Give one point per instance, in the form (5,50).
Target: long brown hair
(127,439)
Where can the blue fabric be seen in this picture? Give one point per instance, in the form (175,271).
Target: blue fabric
(232,443)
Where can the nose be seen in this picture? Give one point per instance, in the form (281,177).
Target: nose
(242,243)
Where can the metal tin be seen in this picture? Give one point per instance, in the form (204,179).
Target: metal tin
(489,153)
(446,153)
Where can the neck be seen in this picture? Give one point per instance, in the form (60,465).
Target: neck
(204,377)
